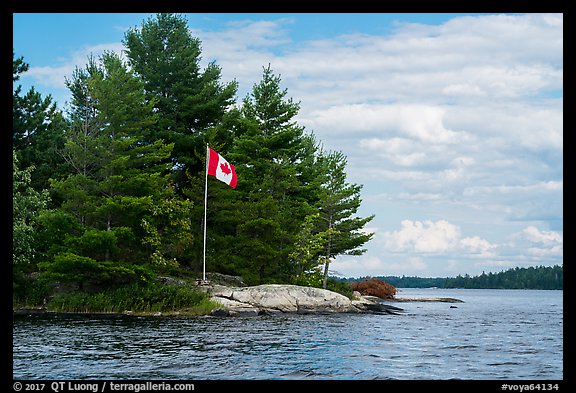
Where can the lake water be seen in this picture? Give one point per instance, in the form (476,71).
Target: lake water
(492,335)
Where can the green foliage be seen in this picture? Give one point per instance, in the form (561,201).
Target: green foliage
(125,170)
(27,203)
(258,227)
(27,291)
(18,67)
(339,286)
(136,298)
(121,192)
(542,277)
(93,243)
(37,131)
(54,228)
(188,100)
(69,267)
(307,255)
(338,204)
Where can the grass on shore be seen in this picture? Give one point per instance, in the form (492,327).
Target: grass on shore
(136,299)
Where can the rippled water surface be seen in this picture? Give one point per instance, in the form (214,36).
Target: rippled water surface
(494,334)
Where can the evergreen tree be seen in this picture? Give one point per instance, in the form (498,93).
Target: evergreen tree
(540,277)
(220,198)
(264,214)
(192,105)
(38,131)
(307,254)
(339,203)
(27,203)
(120,191)
(82,136)
(187,99)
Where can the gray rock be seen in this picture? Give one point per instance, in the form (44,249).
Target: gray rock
(276,298)
(225,279)
(293,298)
(234,308)
(373,304)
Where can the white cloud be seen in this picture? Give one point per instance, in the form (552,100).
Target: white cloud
(537,245)
(434,237)
(535,235)
(438,249)
(532,37)
(539,252)
(354,267)
(503,189)
(419,122)
(468,57)
(424,236)
(243,48)
(399,151)
(55,76)
(463,89)
(476,245)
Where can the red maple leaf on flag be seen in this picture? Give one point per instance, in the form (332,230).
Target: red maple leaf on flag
(225,168)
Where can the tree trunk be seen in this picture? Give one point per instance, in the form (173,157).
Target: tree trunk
(328,251)
(325,282)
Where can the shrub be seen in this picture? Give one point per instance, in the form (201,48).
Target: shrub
(375,287)
(340,287)
(72,268)
(136,298)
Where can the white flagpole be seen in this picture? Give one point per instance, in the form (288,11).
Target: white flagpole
(205,207)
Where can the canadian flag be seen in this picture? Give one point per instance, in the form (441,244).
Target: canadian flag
(219,167)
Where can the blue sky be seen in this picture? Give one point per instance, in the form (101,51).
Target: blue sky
(453,123)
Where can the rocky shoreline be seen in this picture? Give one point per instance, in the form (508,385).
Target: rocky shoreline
(270,299)
(250,301)
(238,300)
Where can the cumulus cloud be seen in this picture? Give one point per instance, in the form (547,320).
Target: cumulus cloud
(434,237)
(544,237)
(542,244)
(479,246)
(423,237)
(418,122)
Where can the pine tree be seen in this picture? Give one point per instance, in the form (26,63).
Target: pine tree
(187,99)
(37,131)
(120,190)
(258,222)
(338,206)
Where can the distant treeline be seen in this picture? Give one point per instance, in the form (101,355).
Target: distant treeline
(541,277)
